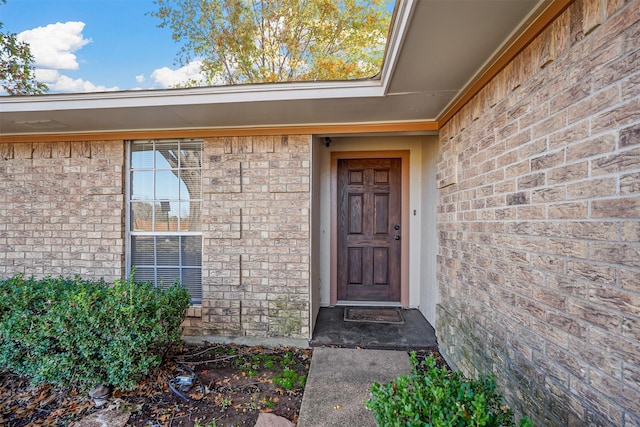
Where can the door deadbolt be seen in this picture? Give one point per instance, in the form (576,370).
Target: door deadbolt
(396,227)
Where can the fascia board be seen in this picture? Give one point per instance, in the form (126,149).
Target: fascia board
(402,18)
(195,96)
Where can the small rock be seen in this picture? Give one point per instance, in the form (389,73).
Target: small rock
(100,392)
(266,419)
(99,401)
(100,395)
(104,418)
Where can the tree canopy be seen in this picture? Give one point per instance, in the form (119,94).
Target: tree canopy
(256,41)
(17,73)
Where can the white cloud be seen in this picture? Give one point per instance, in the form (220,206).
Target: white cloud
(60,83)
(53,46)
(54,50)
(67,84)
(165,77)
(47,75)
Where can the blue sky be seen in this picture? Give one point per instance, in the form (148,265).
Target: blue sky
(98,45)
(94,45)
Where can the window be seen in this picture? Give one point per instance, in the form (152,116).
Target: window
(164,212)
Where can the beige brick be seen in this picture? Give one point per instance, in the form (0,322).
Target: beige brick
(612,413)
(613,387)
(592,15)
(595,315)
(568,210)
(631,327)
(612,6)
(532,180)
(623,254)
(619,162)
(568,323)
(601,274)
(524,145)
(630,136)
(23,151)
(616,299)
(589,148)
(81,149)
(616,208)
(631,375)
(596,103)
(561,33)
(630,231)
(518,169)
(630,184)
(601,230)
(507,131)
(504,160)
(570,248)
(531,212)
(6,151)
(624,114)
(618,65)
(572,172)
(570,97)
(42,150)
(519,198)
(549,125)
(551,194)
(566,285)
(631,87)
(569,361)
(555,335)
(546,262)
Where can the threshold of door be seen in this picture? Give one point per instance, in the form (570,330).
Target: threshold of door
(368,304)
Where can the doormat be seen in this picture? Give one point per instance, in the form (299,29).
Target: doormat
(373,315)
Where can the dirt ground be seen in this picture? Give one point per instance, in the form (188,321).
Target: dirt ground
(231,385)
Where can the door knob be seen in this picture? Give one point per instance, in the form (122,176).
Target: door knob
(396,237)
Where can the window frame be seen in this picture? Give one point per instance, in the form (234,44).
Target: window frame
(130,233)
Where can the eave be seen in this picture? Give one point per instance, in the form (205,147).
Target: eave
(389,103)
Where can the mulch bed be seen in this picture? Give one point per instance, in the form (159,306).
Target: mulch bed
(238,382)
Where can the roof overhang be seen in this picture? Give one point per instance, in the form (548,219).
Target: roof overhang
(437,53)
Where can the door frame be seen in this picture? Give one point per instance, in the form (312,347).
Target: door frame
(404,235)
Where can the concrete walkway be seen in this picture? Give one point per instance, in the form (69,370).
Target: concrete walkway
(339,382)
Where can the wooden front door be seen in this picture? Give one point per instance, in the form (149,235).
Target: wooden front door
(369,229)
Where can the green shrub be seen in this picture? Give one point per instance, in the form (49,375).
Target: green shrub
(74,332)
(436,397)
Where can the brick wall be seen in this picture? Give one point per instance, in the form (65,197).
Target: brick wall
(62,213)
(61,209)
(256,236)
(539,223)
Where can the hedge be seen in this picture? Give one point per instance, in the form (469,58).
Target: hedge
(71,332)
